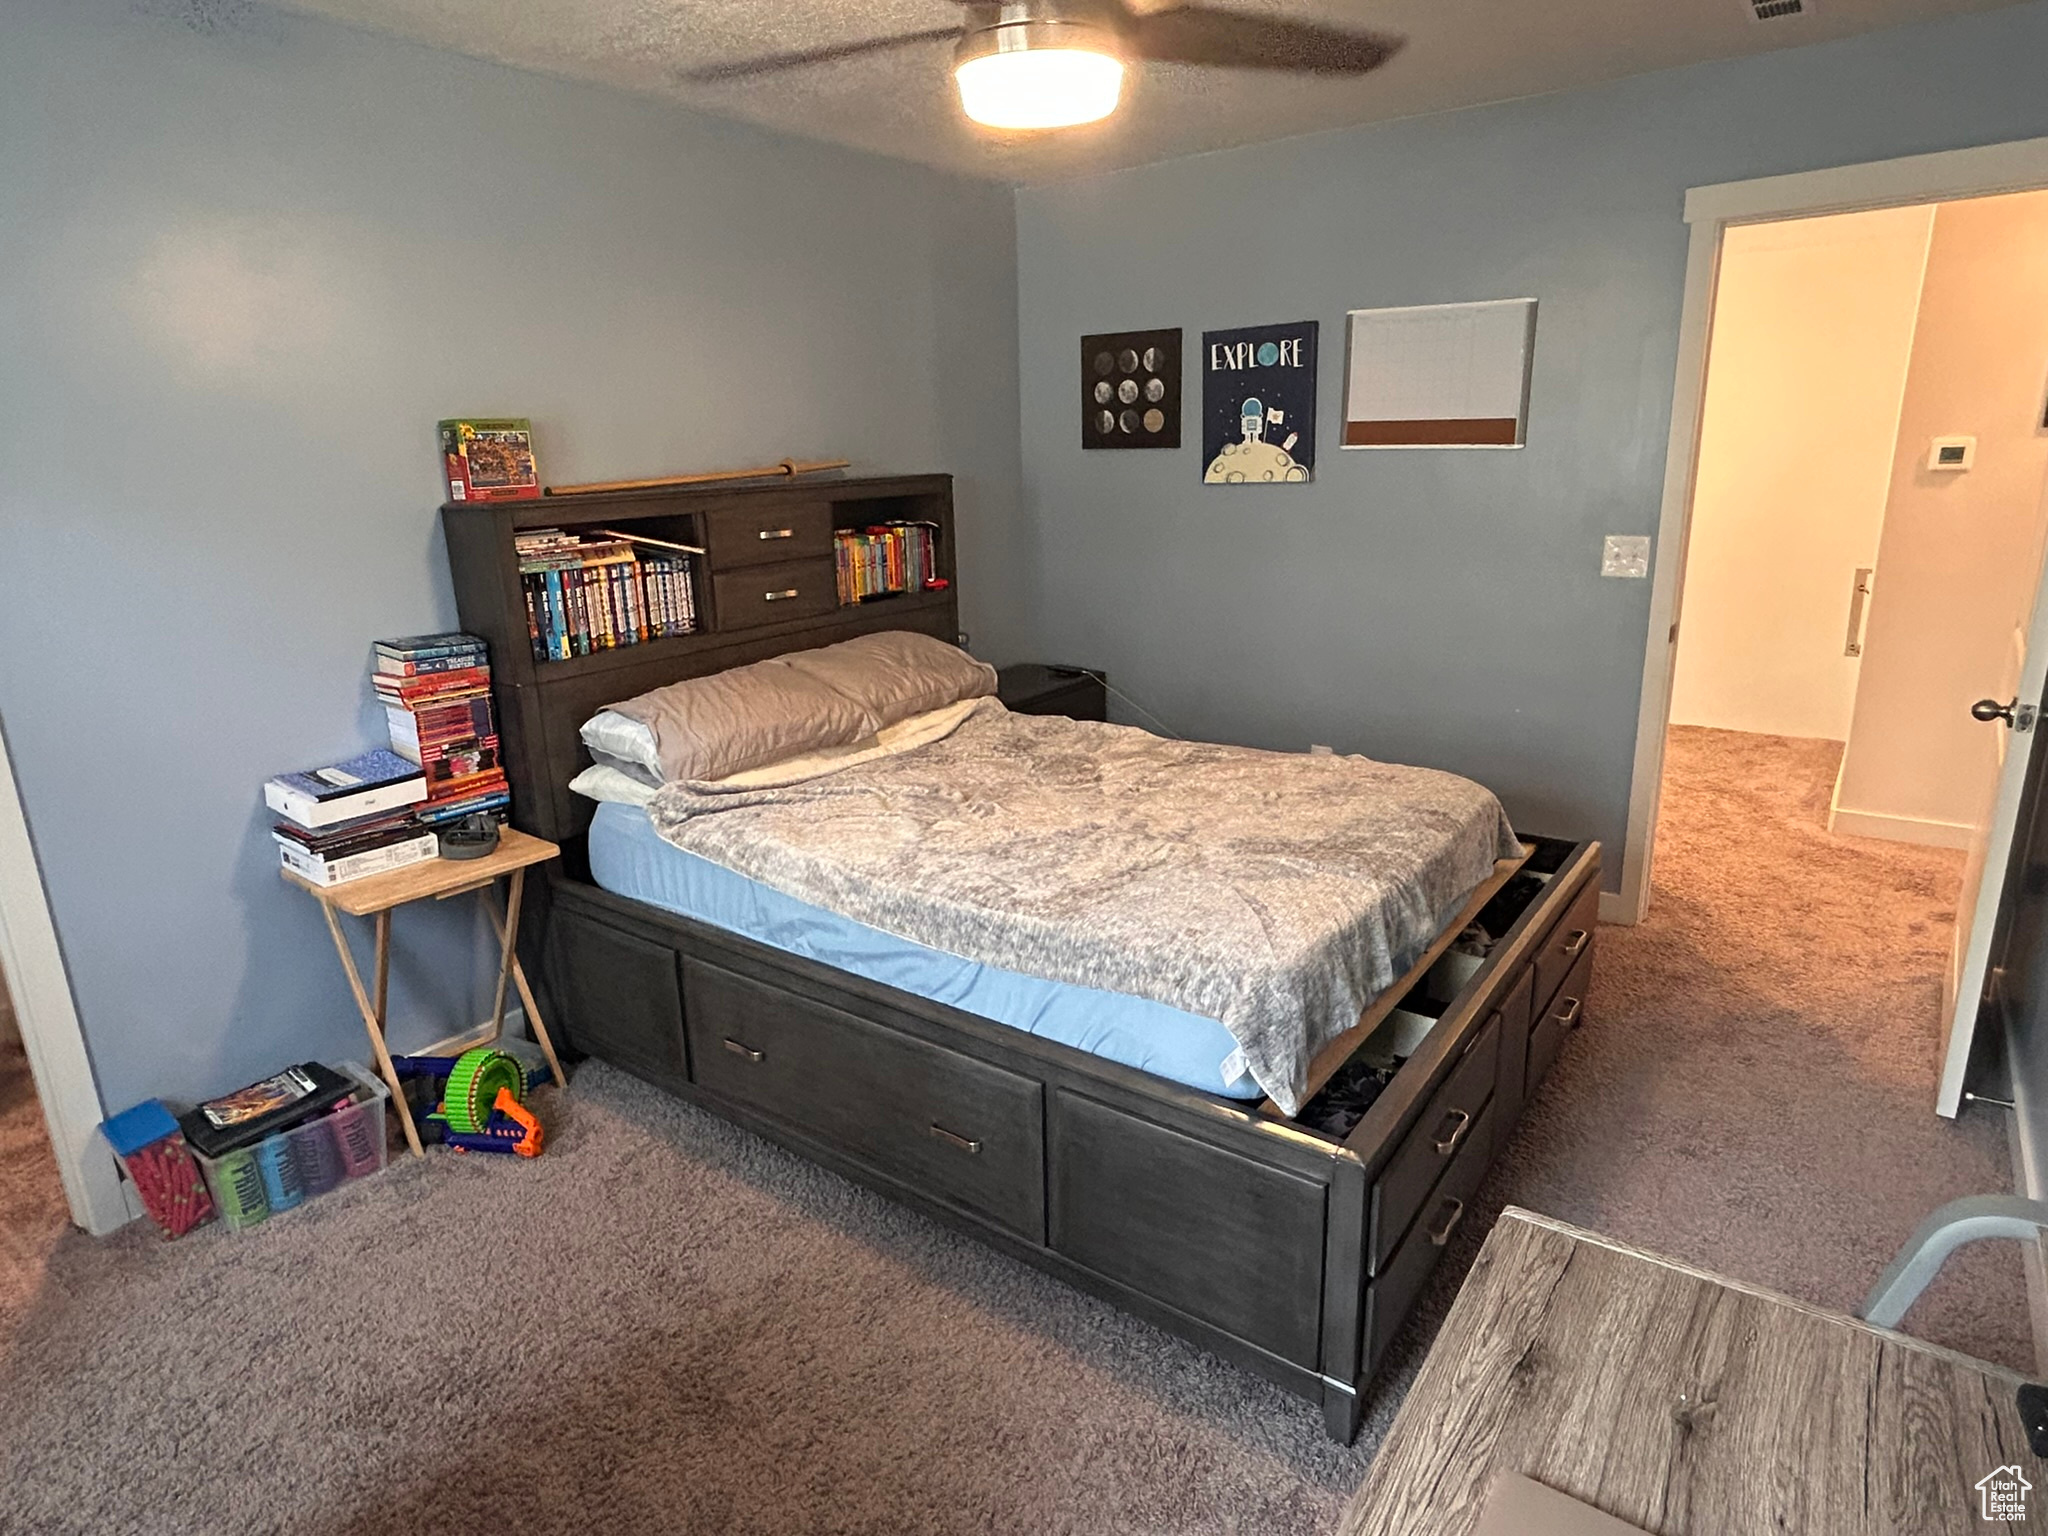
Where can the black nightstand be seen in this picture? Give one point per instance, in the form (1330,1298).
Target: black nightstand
(1031,689)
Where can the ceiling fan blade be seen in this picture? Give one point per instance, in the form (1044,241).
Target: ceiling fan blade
(741,69)
(1202,34)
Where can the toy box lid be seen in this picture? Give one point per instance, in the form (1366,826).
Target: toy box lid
(133,1129)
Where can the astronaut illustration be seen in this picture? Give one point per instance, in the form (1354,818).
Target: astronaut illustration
(1253,459)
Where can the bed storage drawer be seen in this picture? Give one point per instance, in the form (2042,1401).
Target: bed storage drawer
(618,997)
(1567,1011)
(958,1129)
(1570,938)
(1514,1015)
(769,594)
(1233,1242)
(1394,1289)
(765,535)
(1440,1138)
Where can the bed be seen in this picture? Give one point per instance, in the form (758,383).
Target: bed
(629,858)
(1107,1136)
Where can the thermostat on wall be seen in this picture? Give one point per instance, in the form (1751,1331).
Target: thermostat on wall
(1952,453)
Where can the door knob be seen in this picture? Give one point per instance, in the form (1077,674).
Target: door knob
(2018,716)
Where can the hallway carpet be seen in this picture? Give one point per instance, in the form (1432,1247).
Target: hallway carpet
(666,1324)
(1755,1092)
(32,1210)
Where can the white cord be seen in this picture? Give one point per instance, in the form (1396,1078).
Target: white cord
(1111,688)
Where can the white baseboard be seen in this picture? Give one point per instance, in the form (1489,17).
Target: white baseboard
(455,1045)
(1900,829)
(1614,908)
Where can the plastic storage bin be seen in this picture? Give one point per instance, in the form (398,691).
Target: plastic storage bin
(285,1170)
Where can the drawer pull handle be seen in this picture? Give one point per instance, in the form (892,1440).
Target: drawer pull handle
(776,597)
(1443,1233)
(1568,1015)
(744,1050)
(777,533)
(1576,942)
(965,1144)
(1448,1143)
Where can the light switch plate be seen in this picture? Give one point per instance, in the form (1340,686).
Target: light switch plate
(1626,555)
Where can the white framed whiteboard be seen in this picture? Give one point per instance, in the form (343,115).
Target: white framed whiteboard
(1439,375)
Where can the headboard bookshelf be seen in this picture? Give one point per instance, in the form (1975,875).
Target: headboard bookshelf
(765,584)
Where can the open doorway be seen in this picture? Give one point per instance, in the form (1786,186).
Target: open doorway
(61,1092)
(33,1213)
(1863,557)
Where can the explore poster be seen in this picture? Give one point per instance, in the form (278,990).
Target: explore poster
(1259,405)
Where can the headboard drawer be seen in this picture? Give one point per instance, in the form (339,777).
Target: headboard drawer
(769,594)
(751,535)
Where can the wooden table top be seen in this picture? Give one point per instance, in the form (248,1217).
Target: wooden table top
(437,878)
(1687,1405)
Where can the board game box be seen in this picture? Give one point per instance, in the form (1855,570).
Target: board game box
(490,459)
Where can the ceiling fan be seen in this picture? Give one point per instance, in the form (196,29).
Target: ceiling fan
(1026,64)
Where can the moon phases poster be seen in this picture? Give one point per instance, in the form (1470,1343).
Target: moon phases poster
(1130,390)
(1259,405)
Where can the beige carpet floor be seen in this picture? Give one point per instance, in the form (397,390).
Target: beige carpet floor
(32,1210)
(1755,1093)
(666,1324)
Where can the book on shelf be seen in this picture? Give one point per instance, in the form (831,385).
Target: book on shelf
(886,559)
(487,802)
(489,458)
(339,867)
(434,723)
(588,594)
(444,722)
(378,812)
(423,666)
(432,687)
(363,786)
(431,647)
(349,850)
(354,836)
(330,861)
(468,766)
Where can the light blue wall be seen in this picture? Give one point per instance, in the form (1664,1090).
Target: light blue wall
(1436,607)
(242,273)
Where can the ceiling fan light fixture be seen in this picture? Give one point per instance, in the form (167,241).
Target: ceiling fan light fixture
(1031,72)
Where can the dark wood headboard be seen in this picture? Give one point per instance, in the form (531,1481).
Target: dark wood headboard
(768,554)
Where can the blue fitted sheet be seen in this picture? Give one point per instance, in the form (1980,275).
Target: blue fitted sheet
(629,858)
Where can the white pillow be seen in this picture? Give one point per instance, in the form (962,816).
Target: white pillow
(602,783)
(617,741)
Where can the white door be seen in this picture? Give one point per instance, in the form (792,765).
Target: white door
(1990,850)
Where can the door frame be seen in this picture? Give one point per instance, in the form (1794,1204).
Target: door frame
(1948,176)
(48,1018)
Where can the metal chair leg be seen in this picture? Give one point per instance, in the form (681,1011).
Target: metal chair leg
(1941,1234)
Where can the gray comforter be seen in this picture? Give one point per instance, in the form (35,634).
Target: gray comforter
(1275,892)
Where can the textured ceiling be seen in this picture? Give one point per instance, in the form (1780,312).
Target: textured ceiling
(1458,53)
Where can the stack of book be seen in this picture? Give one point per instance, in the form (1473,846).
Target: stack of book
(597,593)
(436,691)
(350,819)
(885,559)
